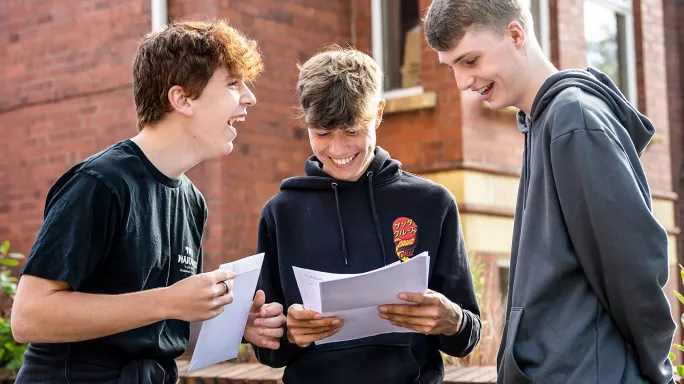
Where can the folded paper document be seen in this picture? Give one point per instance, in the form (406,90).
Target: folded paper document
(220,338)
(355,298)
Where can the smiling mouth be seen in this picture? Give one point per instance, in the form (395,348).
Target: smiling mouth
(483,91)
(342,162)
(235,119)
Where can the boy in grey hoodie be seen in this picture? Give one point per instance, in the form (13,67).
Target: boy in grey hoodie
(588,260)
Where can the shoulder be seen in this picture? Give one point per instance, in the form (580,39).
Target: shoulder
(116,166)
(574,109)
(426,188)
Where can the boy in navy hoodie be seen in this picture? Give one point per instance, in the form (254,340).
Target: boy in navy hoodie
(355,211)
(589,259)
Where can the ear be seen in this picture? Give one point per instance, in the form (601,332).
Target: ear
(517,34)
(381,108)
(179,101)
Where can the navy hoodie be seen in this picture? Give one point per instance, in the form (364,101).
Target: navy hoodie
(589,260)
(320,223)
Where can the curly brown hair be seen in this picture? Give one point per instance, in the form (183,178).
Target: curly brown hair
(337,89)
(187,54)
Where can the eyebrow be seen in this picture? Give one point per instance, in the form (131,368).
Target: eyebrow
(458,59)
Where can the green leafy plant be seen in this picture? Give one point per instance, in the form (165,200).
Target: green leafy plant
(678,367)
(11,353)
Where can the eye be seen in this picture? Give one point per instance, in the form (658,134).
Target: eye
(472,61)
(233,83)
(322,134)
(351,133)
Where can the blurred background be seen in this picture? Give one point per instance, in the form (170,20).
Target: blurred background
(65,76)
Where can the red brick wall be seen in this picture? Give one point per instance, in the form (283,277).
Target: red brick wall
(68,66)
(65,69)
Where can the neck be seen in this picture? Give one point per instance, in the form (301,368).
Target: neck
(167,148)
(539,71)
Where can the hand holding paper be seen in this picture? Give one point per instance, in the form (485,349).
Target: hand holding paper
(201,297)
(434,314)
(305,326)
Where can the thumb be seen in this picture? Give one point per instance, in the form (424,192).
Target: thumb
(259,301)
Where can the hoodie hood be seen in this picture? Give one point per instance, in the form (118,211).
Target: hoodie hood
(596,83)
(382,170)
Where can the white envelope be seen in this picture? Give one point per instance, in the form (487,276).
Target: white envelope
(220,338)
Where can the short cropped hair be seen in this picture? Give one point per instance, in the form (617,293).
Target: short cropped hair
(339,89)
(187,54)
(445,22)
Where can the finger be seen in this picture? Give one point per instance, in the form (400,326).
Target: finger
(426,321)
(270,343)
(311,331)
(259,300)
(222,287)
(271,332)
(224,300)
(308,339)
(304,314)
(418,328)
(420,298)
(221,275)
(409,310)
(271,310)
(270,322)
(326,322)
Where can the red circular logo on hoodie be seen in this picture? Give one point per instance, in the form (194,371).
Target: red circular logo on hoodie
(405,237)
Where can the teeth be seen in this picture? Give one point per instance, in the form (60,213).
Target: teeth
(484,90)
(343,161)
(234,119)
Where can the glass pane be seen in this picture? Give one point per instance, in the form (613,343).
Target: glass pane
(603,43)
(534,5)
(402,42)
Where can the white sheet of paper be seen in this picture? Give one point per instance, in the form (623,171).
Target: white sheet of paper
(355,298)
(220,338)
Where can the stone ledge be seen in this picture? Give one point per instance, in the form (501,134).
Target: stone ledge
(424,100)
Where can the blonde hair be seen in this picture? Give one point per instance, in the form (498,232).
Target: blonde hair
(339,88)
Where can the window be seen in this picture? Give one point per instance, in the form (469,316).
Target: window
(397,43)
(540,16)
(397,40)
(609,32)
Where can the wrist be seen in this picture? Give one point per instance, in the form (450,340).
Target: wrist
(457,319)
(164,304)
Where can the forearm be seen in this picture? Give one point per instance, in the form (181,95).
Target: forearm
(68,316)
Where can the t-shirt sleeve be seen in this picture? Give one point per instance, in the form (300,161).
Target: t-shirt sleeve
(81,219)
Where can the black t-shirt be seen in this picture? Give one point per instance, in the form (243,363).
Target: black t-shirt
(115,224)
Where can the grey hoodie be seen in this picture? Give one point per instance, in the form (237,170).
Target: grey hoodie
(589,260)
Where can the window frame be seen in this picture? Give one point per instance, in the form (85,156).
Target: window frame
(625,9)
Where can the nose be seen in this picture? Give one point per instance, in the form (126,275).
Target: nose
(247,98)
(336,144)
(463,80)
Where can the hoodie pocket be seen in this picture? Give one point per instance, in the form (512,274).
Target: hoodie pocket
(512,372)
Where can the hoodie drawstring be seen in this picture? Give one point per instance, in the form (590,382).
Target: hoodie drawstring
(339,217)
(526,170)
(376,221)
(375,216)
